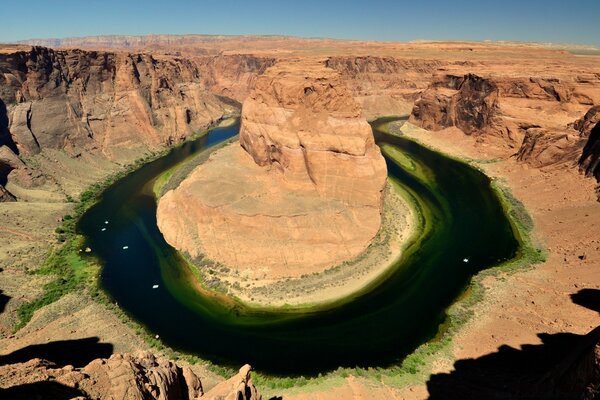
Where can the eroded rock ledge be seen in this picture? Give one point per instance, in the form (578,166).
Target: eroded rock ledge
(122,376)
(303,191)
(532,118)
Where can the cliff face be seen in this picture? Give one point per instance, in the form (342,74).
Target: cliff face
(122,376)
(302,192)
(232,75)
(470,103)
(589,129)
(302,120)
(115,106)
(532,115)
(385,85)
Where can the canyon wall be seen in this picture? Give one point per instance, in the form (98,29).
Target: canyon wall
(303,190)
(385,85)
(532,116)
(232,75)
(589,129)
(112,106)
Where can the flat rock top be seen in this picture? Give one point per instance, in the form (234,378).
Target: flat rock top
(231,179)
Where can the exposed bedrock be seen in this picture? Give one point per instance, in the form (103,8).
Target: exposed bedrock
(548,121)
(302,192)
(113,106)
(232,75)
(589,128)
(385,85)
(122,376)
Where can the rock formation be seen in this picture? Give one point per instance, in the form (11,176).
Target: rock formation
(232,75)
(114,106)
(532,115)
(385,85)
(503,107)
(304,190)
(589,129)
(141,376)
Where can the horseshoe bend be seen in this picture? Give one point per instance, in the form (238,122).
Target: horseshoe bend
(245,217)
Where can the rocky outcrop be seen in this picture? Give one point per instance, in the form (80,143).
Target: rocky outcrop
(302,120)
(589,129)
(116,106)
(543,148)
(503,108)
(578,142)
(532,115)
(301,193)
(470,103)
(141,376)
(238,387)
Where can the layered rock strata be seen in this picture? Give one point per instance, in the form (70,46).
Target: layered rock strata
(302,192)
(111,106)
(536,119)
(503,107)
(385,85)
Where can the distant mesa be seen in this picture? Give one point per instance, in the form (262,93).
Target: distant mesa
(302,192)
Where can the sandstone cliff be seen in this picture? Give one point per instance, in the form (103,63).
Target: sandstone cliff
(141,376)
(232,75)
(504,107)
(531,117)
(589,129)
(385,85)
(304,190)
(112,106)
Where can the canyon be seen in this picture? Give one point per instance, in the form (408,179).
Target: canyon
(71,117)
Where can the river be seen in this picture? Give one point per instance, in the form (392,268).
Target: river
(465,230)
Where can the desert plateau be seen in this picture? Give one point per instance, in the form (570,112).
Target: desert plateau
(296,213)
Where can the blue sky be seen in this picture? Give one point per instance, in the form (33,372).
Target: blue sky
(525,20)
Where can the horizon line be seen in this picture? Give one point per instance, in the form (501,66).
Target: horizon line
(495,41)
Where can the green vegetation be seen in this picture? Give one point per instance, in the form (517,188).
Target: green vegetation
(171,178)
(70,272)
(529,253)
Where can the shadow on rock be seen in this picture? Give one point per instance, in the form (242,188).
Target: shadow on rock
(588,298)
(5,136)
(40,391)
(565,367)
(78,352)
(3,301)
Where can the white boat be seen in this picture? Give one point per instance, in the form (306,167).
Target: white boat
(125,247)
(154,286)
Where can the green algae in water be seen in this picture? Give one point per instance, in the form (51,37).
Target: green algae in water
(461,218)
